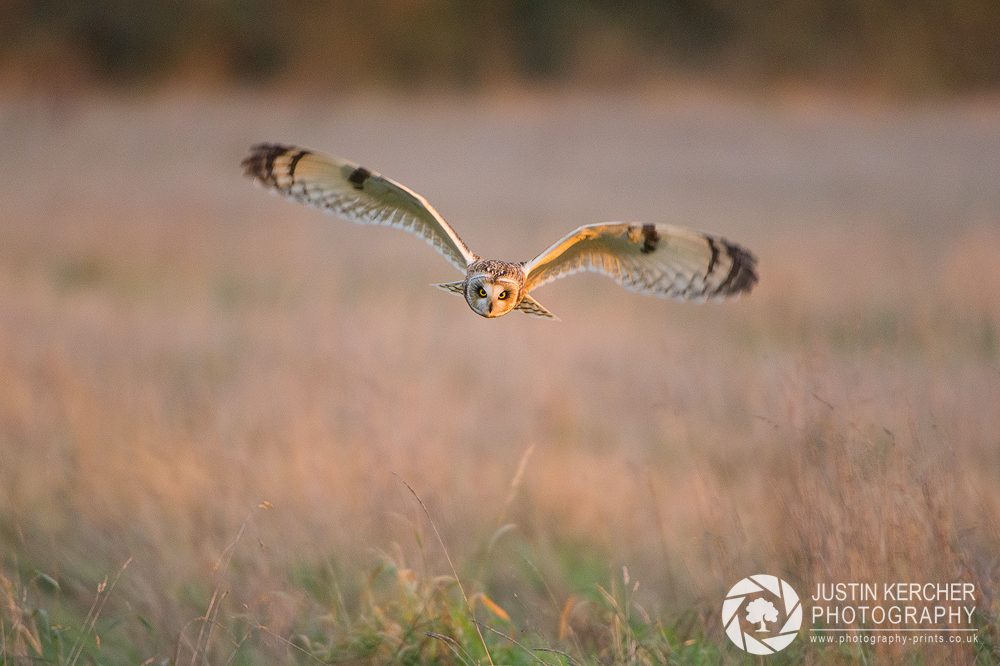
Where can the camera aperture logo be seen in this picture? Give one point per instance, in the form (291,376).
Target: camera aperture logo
(762,614)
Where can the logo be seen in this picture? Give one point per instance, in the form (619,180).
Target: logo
(762,614)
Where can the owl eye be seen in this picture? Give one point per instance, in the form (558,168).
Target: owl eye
(502,296)
(482,293)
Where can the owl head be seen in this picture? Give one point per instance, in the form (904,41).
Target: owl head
(491,296)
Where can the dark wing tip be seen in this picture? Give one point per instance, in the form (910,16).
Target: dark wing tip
(742,272)
(259,165)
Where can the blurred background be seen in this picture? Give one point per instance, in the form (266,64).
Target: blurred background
(236,394)
(475,45)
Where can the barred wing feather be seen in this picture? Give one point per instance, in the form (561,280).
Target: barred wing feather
(354,193)
(654,259)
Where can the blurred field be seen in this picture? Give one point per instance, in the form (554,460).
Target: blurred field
(177,348)
(884,47)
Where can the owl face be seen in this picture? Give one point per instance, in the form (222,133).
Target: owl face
(491,297)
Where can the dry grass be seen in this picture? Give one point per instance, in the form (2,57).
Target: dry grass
(177,348)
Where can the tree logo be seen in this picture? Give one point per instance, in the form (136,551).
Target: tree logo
(750,614)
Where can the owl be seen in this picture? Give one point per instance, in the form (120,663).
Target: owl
(656,259)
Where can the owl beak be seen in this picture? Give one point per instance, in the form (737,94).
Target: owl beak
(489,309)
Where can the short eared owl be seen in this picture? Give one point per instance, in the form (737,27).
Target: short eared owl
(656,259)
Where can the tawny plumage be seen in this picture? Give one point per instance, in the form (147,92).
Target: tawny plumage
(656,259)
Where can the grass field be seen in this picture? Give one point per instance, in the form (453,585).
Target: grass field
(306,454)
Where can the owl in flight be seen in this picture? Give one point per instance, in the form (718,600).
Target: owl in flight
(655,259)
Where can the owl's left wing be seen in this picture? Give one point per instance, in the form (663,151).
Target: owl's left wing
(354,193)
(655,259)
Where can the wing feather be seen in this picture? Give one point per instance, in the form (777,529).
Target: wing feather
(354,193)
(655,259)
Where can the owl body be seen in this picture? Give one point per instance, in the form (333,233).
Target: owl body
(660,260)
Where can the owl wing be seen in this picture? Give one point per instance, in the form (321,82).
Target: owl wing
(655,259)
(354,193)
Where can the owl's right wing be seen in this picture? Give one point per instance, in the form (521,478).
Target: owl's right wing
(655,259)
(354,193)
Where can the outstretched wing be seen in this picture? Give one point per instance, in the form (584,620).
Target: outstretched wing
(655,259)
(532,307)
(354,193)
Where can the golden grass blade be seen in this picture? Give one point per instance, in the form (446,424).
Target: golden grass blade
(491,605)
(515,483)
(454,571)
(453,644)
(564,628)
(290,644)
(95,612)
